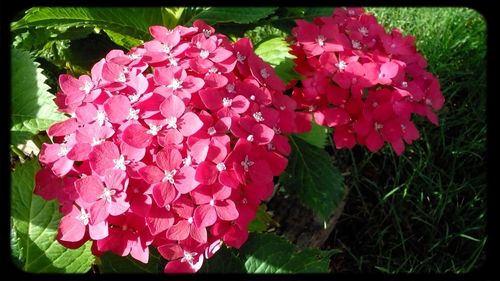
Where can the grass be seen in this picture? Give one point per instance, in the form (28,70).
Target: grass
(425,211)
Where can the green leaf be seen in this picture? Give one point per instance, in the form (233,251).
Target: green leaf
(274,51)
(262,33)
(171,16)
(111,263)
(34,222)
(213,15)
(262,220)
(268,253)
(33,109)
(34,39)
(311,177)
(133,22)
(224,261)
(123,40)
(316,136)
(312,12)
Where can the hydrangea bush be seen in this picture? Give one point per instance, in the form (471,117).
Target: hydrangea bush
(362,81)
(174,143)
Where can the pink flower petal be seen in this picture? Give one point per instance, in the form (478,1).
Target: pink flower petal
(89,188)
(117,108)
(185,182)
(205,216)
(206,173)
(164,193)
(172,106)
(178,231)
(151,174)
(63,128)
(226,210)
(136,135)
(159,220)
(71,229)
(189,124)
(169,159)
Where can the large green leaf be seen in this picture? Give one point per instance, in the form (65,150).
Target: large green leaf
(133,22)
(268,253)
(32,106)
(226,260)
(312,12)
(316,136)
(111,263)
(262,33)
(34,227)
(275,52)
(213,15)
(311,177)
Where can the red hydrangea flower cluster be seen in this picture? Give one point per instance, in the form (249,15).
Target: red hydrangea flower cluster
(362,81)
(173,144)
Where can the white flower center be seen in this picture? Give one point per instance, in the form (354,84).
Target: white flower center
(187,161)
(173,61)
(244,201)
(240,57)
(378,126)
(133,98)
(351,12)
(135,56)
(393,45)
(341,65)
(171,122)
(230,88)
(190,220)
(221,167)
(167,207)
(258,116)
(246,163)
(153,129)
(133,114)
(101,117)
(321,40)
(63,150)
(204,54)
(363,30)
(263,73)
(166,48)
(276,130)
(121,78)
(175,84)
(282,107)
(356,45)
(403,127)
(206,32)
(375,104)
(404,84)
(120,163)
(250,138)
(83,216)
(211,131)
(87,87)
(96,141)
(428,102)
(212,202)
(107,193)
(169,176)
(252,97)
(270,146)
(226,102)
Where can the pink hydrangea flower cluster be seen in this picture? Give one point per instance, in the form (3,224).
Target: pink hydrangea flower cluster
(362,81)
(172,144)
